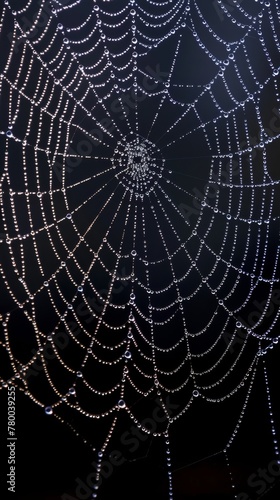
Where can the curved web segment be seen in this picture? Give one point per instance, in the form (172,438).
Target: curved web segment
(139,206)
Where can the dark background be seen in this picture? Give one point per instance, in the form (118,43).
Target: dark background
(49,458)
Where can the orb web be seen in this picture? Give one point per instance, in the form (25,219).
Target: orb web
(139,210)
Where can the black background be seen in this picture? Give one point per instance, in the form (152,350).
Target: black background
(49,458)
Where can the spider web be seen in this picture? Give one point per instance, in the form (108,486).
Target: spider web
(139,209)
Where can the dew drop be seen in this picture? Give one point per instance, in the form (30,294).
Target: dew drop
(48,410)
